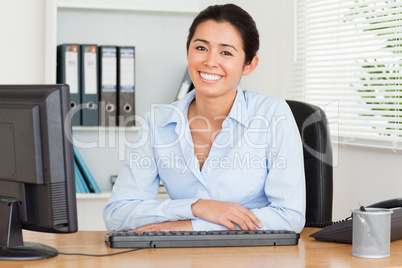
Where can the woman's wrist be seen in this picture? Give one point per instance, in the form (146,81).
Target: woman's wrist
(195,208)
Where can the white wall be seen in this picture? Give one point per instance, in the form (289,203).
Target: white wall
(365,175)
(274,21)
(22,46)
(361,175)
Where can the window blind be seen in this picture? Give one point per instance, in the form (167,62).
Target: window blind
(349,62)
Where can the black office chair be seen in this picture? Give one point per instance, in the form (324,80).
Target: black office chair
(313,127)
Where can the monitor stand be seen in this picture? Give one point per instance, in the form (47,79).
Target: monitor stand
(12,247)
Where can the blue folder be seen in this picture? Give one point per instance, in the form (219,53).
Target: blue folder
(86,174)
(80,185)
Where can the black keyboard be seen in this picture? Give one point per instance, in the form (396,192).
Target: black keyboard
(201,239)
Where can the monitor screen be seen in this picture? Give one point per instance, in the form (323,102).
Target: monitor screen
(37,187)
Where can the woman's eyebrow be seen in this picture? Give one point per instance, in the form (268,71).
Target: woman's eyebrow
(201,40)
(227,45)
(207,42)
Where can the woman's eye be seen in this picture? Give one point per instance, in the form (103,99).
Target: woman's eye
(200,48)
(226,53)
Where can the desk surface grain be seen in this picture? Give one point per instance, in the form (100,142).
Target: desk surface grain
(309,253)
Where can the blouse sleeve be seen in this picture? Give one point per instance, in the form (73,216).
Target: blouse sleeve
(285,182)
(132,203)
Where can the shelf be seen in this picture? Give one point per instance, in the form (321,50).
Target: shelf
(162,194)
(93,196)
(125,7)
(105,129)
(103,197)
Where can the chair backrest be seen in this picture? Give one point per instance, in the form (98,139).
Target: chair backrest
(313,127)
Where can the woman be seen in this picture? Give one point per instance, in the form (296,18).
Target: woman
(229,159)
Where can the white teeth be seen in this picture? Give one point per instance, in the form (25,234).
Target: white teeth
(212,77)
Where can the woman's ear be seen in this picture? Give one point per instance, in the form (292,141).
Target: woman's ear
(249,68)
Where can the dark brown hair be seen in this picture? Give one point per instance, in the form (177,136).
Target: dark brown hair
(238,18)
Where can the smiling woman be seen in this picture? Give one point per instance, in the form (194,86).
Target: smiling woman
(216,64)
(216,60)
(216,149)
(239,19)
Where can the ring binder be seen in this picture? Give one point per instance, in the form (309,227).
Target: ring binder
(107,85)
(89,85)
(185,86)
(126,85)
(68,72)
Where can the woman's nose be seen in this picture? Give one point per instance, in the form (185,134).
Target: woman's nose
(211,59)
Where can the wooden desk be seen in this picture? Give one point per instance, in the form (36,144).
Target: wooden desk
(309,253)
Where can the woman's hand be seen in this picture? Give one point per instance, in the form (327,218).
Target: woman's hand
(166,226)
(225,213)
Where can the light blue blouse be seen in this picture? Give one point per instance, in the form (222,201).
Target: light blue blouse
(255,161)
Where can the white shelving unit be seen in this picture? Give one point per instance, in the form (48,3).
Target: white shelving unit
(158,7)
(90,206)
(158,29)
(104,150)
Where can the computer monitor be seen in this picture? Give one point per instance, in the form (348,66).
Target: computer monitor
(37,186)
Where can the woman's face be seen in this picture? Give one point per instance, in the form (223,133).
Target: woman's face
(216,59)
